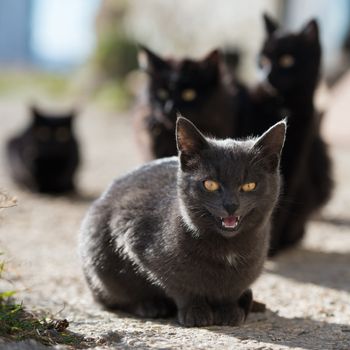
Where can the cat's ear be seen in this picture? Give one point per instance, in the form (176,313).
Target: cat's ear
(149,61)
(210,64)
(70,118)
(270,145)
(213,58)
(270,24)
(73,113)
(35,112)
(190,142)
(311,31)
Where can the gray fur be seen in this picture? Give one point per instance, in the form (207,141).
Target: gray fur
(150,245)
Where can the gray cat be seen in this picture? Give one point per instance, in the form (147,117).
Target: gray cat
(186,234)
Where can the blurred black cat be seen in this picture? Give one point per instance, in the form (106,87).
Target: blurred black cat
(189,234)
(202,90)
(290,63)
(45,156)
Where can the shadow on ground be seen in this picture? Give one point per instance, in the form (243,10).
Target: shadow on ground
(304,265)
(295,332)
(336,221)
(266,328)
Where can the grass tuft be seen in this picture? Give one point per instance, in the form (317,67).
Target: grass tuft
(17,324)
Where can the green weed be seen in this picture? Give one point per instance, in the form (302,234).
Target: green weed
(17,324)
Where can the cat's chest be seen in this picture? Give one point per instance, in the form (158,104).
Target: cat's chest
(223,266)
(231,259)
(222,276)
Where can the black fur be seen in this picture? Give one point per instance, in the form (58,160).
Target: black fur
(212,108)
(45,156)
(291,65)
(154,244)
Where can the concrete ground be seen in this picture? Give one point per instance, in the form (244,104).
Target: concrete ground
(306,290)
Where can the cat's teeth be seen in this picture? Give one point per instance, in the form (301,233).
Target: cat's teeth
(230,221)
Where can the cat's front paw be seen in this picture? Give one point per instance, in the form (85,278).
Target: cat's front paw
(229,315)
(196,316)
(153,309)
(246,302)
(234,314)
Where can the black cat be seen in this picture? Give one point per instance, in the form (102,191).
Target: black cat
(45,156)
(290,63)
(202,90)
(189,234)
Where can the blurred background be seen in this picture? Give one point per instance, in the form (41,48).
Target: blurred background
(87,47)
(61,54)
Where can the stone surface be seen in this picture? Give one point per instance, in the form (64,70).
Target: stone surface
(306,290)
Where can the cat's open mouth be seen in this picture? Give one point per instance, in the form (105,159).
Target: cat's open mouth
(230,223)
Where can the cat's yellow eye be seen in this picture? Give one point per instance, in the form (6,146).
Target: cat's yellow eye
(286,61)
(42,133)
(211,185)
(264,61)
(62,134)
(249,186)
(162,94)
(188,95)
